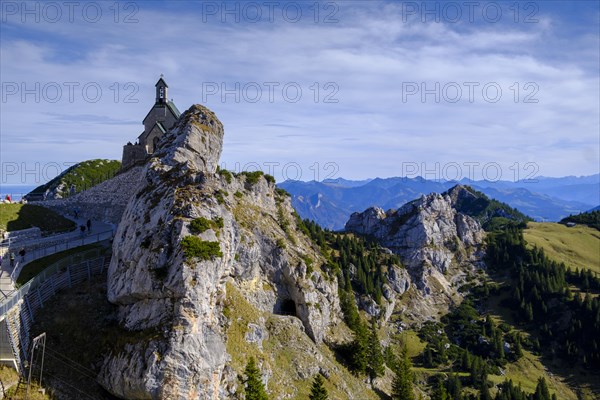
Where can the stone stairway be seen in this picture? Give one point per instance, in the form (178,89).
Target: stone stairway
(12,325)
(7,354)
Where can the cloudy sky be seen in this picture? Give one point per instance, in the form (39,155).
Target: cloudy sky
(309,90)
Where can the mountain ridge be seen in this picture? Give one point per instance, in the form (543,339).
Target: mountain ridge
(331,205)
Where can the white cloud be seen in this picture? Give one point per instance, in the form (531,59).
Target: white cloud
(368,55)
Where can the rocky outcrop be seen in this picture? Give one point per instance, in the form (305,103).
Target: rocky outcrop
(437,244)
(171,299)
(103,202)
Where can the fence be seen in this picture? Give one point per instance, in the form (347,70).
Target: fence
(56,247)
(20,308)
(43,240)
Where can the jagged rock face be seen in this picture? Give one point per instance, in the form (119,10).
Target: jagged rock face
(435,242)
(172,304)
(189,146)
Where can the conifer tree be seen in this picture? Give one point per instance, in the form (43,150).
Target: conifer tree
(376,367)
(318,391)
(541,390)
(439,391)
(518,347)
(402,386)
(390,358)
(484,391)
(428,357)
(360,356)
(254,388)
(454,387)
(466,361)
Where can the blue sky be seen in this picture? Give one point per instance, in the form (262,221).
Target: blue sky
(387,88)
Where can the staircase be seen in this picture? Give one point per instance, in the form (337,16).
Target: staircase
(15,332)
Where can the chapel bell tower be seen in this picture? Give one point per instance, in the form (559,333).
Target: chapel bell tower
(161,91)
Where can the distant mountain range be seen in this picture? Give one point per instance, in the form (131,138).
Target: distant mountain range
(331,202)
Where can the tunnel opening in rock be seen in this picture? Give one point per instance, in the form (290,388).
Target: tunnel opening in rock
(288,307)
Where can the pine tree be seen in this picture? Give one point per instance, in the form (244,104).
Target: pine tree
(375,364)
(484,391)
(541,390)
(318,391)
(440,392)
(402,386)
(390,358)
(498,345)
(528,312)
(360,351)
(454,387)
(428,357)
(254,388)
(466,361)
(518,347)
(441,352)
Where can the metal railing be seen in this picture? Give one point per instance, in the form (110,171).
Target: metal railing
(39,242)
(63,245)
(46,274)
(20,308)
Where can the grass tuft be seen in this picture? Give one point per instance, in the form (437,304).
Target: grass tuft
(194,247)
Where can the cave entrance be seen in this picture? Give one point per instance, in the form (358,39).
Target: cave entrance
(288,307)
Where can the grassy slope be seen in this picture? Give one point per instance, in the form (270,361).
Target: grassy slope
(414,344)
(14,217)
(578,246)
(83,175)
(527,370)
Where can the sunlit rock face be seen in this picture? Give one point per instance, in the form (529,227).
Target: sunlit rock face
(171,306)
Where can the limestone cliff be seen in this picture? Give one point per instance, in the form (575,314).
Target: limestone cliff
(173,279)
(438,245)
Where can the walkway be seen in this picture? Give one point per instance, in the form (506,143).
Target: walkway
(17,312)
(38,248)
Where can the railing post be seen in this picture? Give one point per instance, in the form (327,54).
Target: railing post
(26,299)
(39,297)
(53,285)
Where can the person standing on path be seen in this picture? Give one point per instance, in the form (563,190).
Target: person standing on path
(89,224)
(12,259)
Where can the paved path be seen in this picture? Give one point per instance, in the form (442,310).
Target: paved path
(38,248)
